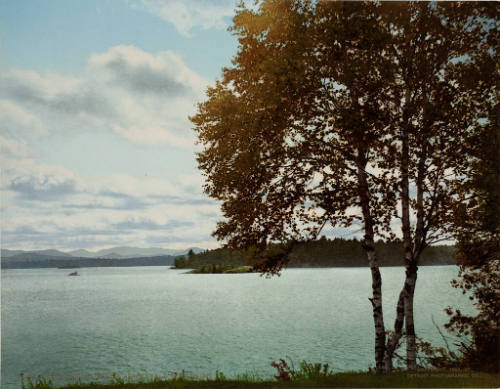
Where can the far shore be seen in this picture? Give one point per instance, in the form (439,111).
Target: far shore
(196,271)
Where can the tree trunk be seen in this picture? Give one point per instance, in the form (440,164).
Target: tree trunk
(411,265)
(411,352)
(369,246)
(376,300)
(411,275)
(393,341)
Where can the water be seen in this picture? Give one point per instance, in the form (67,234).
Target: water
(154,320)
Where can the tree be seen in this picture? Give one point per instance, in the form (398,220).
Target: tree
(290,132)
(477,228)
(335,113)
(440,100)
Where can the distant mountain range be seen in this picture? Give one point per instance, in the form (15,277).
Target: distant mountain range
(111,253)
(54,253)
(36,261)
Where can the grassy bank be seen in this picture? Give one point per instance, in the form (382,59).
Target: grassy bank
(424,379)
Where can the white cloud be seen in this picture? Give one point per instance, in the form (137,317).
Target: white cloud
(13,117)
(187,14)
(52,206)
(162,73)
(153,135)
(144,97)
(13,150)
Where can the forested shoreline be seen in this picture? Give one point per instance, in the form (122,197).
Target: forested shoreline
(324,252)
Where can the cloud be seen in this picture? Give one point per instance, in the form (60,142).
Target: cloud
(150,225)
(55,92)
(163,74)
(13,117)
(144,97)
(182,240)
(47,206)
(183,200)
(14,149)
(153,135)
(45,188)
(185,15)
(31,181)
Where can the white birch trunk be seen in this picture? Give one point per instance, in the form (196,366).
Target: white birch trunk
(369,247)
(411,357)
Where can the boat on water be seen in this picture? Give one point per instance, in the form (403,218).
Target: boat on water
(75,273)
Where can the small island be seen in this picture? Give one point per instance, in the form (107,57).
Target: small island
(222,269)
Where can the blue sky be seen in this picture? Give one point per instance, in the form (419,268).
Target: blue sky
(96,148)
(59,35)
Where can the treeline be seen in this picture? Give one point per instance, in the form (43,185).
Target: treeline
(324,252)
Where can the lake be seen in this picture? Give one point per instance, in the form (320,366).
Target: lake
(155,320)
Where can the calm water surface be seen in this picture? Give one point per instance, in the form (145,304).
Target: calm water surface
(154,320)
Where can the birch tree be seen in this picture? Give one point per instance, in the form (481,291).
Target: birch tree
(293,129)
(446,82)
(341,113)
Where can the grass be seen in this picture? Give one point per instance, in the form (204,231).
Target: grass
(401,379)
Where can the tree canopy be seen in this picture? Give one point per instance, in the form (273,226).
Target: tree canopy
(342,114)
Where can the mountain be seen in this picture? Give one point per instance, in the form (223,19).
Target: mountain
(53,253)
(111,256)
(81,253)
(36,261)
(36,257)
(129,252)
(120,252)
(9,253)
(132,252)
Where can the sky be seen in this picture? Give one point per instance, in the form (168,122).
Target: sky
(96,146)
(96,149)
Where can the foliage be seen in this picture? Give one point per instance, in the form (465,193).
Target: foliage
(477,228)
(284,371)
(306,371)
(273,157)
(219,376)
(39,383)
(331,112)
(430,356)
(180,262)
(293,122)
